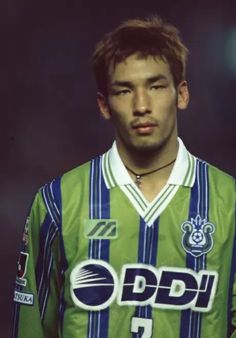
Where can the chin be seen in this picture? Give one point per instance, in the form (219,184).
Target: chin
(147,147)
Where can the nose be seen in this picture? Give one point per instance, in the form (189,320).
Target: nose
(141,102)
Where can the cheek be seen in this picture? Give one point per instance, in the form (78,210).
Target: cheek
(119,121)
(166,104)
(119,111)
(117,117)
(119,106)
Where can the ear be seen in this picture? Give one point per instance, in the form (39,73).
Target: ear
(103,106)
(183,95)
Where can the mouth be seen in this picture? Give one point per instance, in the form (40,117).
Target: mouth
(144,128)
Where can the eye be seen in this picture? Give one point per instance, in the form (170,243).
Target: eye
(156,87)
(121,92)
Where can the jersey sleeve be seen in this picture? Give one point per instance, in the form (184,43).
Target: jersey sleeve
(36,294)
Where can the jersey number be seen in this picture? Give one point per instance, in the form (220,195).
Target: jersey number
(144,323)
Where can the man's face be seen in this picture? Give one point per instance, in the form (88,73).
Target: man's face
(142,103)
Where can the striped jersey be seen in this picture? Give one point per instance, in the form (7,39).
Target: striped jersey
(98,260)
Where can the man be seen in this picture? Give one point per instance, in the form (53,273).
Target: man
(139,242)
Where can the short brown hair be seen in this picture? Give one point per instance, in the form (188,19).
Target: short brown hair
(146,37)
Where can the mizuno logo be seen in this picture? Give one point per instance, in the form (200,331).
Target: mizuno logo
(101,228)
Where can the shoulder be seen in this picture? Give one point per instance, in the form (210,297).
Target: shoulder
(70,177)
(73,182)
(220,174)
(219,178)
(76,175)
(69,185)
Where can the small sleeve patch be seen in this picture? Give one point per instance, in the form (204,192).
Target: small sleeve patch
(25,298)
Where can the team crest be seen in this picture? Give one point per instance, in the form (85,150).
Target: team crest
(197,238)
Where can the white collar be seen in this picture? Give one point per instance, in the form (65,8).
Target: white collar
(115,173)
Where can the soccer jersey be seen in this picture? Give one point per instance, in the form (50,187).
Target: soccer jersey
(100,261)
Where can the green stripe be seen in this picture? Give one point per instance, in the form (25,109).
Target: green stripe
(190,170)
(160,201)
(135,195)
(106,174)
(110,171)
(139,195)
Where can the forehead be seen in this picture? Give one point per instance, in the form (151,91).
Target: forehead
(136,68)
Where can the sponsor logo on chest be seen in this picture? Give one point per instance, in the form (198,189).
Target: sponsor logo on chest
(95,285)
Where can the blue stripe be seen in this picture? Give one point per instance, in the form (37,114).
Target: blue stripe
(44,230)
(147,254)
(203,211)
(141,243)
(190,326)
(48,232)
(51,194)
(50,200)
(45,191)
(56,196)
(98,249)
(155,233)
(141,259)
(152,260)
(185,316)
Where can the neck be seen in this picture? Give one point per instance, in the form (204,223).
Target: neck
(139,176)
(150,170)
(148,160)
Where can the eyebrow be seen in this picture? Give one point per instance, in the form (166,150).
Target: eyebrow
(156,78)
(129,84)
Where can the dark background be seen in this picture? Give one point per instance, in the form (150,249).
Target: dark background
(51,122)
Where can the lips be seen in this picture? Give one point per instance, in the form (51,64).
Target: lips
(144,127)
